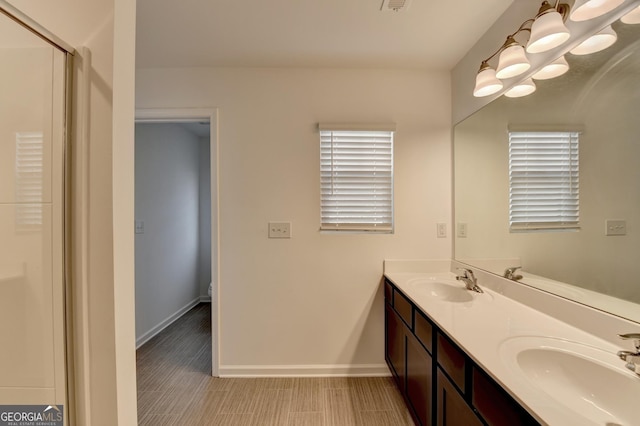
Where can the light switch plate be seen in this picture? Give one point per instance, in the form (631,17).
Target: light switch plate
(139,227)
(615,227)
(462,230)
(441,230)
(279,229)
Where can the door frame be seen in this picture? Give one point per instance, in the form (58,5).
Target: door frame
(178,115)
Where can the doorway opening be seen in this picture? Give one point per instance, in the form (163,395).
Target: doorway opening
(176,226)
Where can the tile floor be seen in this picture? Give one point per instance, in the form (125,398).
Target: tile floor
(175,388)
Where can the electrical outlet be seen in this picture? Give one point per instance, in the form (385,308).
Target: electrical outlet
(441,230)
(615,227)
(279,229)
(462,230)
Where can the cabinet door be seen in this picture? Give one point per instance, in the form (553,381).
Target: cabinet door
(395,346)
(452,409)
(419,381)
(495,406)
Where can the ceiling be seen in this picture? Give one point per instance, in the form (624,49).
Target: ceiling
(309,33)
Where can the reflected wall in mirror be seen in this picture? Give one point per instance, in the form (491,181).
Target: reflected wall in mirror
(600,98)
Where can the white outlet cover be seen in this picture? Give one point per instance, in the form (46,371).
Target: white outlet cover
(279,229)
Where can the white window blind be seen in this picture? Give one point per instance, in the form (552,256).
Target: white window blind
(356,174)
(543,180)
(29,179)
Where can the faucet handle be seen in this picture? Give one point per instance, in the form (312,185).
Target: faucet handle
(509,272)
(632,336)
(468,273)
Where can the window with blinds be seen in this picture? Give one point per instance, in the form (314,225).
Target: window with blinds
(543,181)
(356,179)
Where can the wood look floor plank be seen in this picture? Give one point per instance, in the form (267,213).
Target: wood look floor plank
(272,407)
(203,407)
(370,395)
(339,407)
(173,401)
(175,388)
(241,399)
(381,418)
(146,400)
(308,395)
(306,419)
(245,419)
(160,420)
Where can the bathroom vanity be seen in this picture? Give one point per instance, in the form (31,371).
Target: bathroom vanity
(438,380)
(465,358)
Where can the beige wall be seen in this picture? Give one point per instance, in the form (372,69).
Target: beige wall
(103,261)
(313,302)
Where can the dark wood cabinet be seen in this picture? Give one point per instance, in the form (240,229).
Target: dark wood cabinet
(419,380)
(452,361)
(438,380)
(494,405)
(451,407)
(395,346)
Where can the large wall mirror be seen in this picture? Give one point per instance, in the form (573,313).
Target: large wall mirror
(599,99)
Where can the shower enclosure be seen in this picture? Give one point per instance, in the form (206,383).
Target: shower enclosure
(34,86)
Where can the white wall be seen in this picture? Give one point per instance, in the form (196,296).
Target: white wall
(314,299)
(167,202)
(103,268)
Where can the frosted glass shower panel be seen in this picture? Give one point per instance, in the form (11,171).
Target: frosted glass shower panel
(32,131)
(26,124)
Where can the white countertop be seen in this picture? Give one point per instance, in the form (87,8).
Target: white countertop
(480,327)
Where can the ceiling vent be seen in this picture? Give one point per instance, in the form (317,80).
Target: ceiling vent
(394,5)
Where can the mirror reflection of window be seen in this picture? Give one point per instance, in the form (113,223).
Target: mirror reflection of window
(29,184)
(543,181)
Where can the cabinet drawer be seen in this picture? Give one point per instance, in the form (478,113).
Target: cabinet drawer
(423,330)
(494,404)
(403,307)
(452,360)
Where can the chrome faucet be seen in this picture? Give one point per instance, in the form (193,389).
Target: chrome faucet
(510,273)
(469,280)
(632,359)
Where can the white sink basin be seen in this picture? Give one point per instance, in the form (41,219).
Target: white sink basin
(590,382)
(446,290)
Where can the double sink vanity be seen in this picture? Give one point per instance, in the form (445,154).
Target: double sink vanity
(506,354)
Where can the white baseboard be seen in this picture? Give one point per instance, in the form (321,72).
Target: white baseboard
(341,370)
(166,323)
(205,299)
